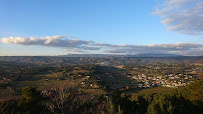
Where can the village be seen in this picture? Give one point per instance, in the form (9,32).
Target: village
(170,80)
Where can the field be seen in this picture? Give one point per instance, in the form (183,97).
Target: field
(44,74)
(140,91)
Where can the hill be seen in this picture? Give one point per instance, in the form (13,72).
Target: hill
(110,55)
(54,60)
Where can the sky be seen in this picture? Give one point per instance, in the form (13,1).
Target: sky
(60,27)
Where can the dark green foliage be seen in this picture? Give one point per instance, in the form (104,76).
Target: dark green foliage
(183,100)
(101,98)
(30,101)
(122,104)
(116,99)
(30,93)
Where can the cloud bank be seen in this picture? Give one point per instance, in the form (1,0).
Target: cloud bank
(183,16)
(86,46)
(176,48)
(53,41)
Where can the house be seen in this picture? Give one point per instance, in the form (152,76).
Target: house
(140,85)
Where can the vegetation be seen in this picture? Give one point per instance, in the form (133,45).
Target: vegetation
(100,85)
(188,99)
(30,101)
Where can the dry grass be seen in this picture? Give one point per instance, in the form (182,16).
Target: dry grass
(95,91)
(151,90)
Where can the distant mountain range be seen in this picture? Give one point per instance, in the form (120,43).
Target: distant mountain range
(109,55)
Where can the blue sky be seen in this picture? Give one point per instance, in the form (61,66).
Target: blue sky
(128,27)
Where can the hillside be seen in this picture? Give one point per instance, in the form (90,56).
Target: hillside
(54,61)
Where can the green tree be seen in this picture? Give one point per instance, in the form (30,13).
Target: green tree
(30,103)
(116,99)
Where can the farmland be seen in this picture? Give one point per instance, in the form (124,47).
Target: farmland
(96,79)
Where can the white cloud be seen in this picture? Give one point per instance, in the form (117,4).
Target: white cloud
(183,16)
(180,48)
(90,48)
(192,52)
(86,46)
(104,44)
(53,41)
(77,51)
